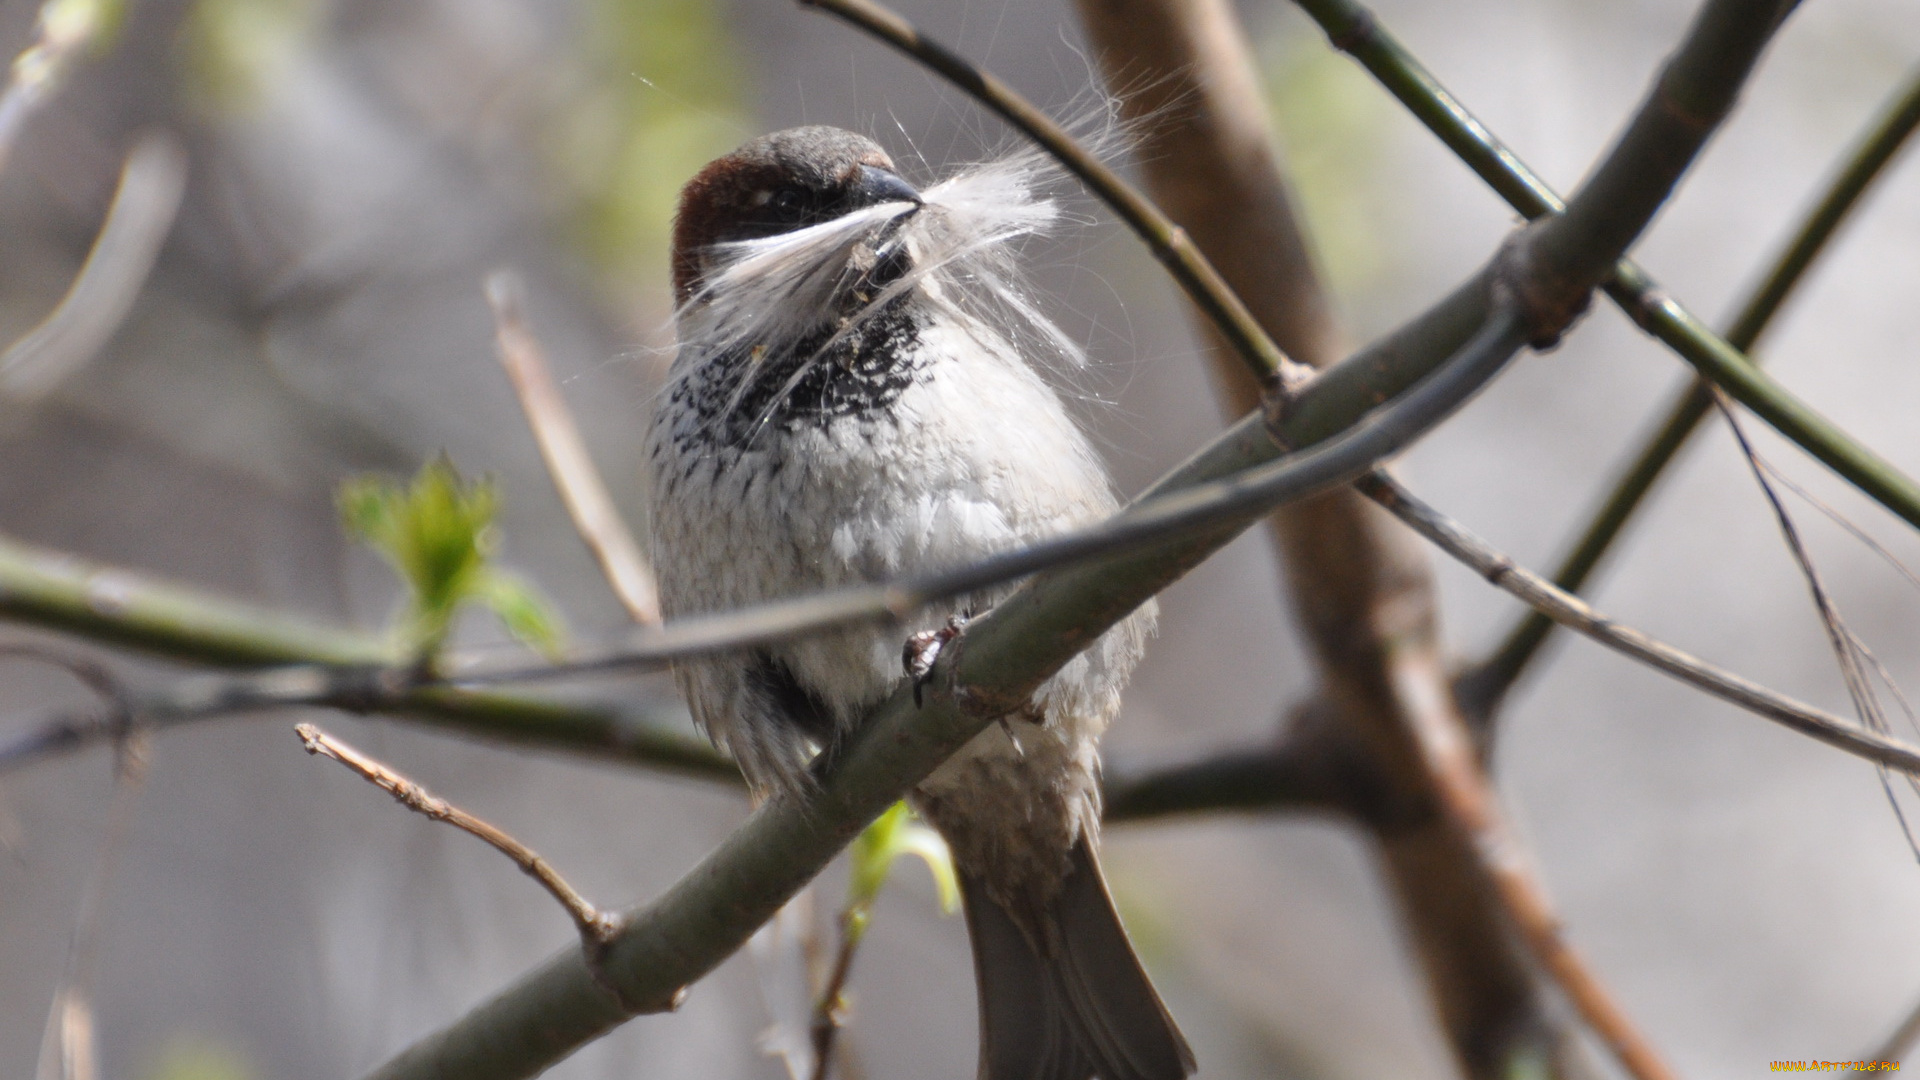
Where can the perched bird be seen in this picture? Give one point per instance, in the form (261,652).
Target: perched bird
(852,399)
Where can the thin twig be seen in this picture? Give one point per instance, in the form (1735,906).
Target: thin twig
(1486,683)
(144,204)
(1358,32)
(1287,776)
(787,958)
(115,605)
(830,1008)
(68,1048)
(1849,651)
(1570,611)
(641,730)
(86,670)
(565,452)
(1168,241)
(596,927)
(1161,518)
(1846,524)
(1006,655)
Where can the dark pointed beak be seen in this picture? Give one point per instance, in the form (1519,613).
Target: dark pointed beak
(877,185)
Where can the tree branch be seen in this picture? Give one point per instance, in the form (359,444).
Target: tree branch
(641,730)
(595,927)
(1355,30)
(116,606)
(1452,760)
(1569,611)
(569,464)
(1360,586)
(1483,686)
(992,670)
(1170,243)
(1296,774)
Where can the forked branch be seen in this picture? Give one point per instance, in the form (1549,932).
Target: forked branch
(596,927)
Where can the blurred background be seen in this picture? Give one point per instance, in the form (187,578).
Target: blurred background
(355,168)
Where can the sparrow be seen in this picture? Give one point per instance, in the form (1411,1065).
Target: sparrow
(845,406)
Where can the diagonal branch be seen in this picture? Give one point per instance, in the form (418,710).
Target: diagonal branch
(1288,776)
(594,925)
(1569,611)
(1355,30)
(569,464)
(1005,655)
(1360,586)
(1484,685)
(994,669)
(1448,751)
(1170,243)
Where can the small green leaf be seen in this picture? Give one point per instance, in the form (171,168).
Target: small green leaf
(895,833)
(525,613)
(366,509)
(439,536)
(931,847)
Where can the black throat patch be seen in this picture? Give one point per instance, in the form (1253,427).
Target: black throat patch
(747,394)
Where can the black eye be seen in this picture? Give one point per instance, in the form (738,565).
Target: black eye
(787,204)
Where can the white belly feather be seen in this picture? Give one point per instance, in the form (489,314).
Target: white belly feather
(977,456)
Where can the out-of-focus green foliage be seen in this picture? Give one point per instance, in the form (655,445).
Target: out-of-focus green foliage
(201,1059)
(438,534)
(662,98)
(1331,120)
(895,833)
(233,48)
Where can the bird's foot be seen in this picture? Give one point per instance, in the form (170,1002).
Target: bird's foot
(922,651)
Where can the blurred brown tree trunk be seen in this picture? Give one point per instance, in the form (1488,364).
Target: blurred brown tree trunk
(1361,585)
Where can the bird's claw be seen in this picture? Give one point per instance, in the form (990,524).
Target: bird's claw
(922,652)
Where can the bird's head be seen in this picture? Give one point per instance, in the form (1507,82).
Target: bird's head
(778,184)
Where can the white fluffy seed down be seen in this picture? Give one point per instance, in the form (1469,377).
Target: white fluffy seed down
(975,454)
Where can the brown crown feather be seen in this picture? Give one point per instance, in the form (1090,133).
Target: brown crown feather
(723,200)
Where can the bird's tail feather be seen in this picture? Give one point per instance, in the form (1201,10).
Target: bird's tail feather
(1075,1005)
